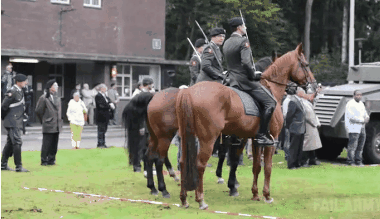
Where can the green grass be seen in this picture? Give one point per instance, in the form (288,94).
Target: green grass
(326,191)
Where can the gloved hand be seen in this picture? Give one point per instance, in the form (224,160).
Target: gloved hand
(112,106)
(142,131)
(258,75)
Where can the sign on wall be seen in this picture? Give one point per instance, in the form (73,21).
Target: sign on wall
(156,44)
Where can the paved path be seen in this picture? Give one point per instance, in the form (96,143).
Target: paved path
(32,140)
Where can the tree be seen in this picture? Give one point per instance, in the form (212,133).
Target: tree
(309,5)
(344,31)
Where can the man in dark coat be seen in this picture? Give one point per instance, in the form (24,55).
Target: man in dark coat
(212,58)
(195,62)
(49,112)
(296,124)
(243,76)
(12,114)
(103,107)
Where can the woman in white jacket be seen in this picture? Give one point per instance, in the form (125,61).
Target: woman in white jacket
(75,114)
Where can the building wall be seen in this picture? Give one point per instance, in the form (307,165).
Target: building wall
(120,27)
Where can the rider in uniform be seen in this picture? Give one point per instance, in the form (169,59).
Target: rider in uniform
(243,76)
(12,114)
(212,58)
(195,62)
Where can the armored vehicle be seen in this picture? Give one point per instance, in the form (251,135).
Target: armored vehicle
(330,109)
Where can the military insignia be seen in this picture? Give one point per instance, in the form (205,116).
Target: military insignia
(209,50)
(193,63)
(247,45)
(9,94)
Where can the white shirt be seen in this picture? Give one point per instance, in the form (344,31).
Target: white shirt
(355,116)
(75,112)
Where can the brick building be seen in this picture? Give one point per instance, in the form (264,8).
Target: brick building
(79,41)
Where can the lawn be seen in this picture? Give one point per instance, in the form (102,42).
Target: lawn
(326,191)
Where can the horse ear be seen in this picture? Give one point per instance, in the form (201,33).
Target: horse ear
(274,56)
(299,49)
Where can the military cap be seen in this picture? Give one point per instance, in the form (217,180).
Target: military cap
(236,21)
(217,31)
(199,43)
(50,83)
(20,78)
(147,81)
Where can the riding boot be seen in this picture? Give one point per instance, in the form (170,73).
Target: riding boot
(263,137)
(17,158)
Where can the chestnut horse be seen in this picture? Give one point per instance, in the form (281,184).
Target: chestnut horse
(208,109)
(163,125)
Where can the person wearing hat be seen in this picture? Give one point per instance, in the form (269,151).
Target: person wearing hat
(12,114)
(195,62)
(49,112)
(243,76)
(137,151)
(212,58)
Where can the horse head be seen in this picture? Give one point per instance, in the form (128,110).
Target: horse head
(301,73)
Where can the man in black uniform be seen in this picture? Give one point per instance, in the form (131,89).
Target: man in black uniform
(212,58)
(195,62)
(242,76)
(12,112)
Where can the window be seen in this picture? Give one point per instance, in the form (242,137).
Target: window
(60,1)
(129,75)
(92,3)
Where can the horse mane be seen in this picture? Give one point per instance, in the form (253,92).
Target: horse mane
(273,68)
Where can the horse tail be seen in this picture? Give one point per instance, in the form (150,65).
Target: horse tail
(133,115)
(186,122)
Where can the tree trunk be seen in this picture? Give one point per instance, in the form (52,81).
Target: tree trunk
(309,4)
(344,32)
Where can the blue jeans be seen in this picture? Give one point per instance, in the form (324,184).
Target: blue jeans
(355,146)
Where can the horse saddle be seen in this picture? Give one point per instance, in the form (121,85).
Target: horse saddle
(250,105)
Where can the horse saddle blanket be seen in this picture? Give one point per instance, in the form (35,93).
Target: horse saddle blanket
(250,105)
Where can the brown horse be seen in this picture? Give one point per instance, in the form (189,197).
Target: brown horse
(163,125)
(208,109)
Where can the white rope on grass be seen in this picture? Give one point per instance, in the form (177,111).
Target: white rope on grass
(148,202)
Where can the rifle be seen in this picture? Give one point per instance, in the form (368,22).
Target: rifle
(196,52)
(242,19)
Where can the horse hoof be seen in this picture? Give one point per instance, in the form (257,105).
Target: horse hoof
(234,194)
(220,180)
(176,179)
(166,194)
(237,185)
(154,192)
(185,205)
(268,201)
(255,199)
(203,206)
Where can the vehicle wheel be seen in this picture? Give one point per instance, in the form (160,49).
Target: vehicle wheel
(371,151)
(331,148)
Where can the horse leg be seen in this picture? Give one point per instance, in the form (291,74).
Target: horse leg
(203,156)
(151,157)
(256,152)
(169,167)
(268,153)
(163,146)
(234,153)
(222,156)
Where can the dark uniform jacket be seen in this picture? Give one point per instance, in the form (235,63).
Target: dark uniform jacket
(211,70)
(295,117)
(195,68)
(12,108)
(238,55)
(103,108)
(49,113)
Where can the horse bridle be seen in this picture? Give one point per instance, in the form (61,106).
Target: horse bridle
(304,70)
